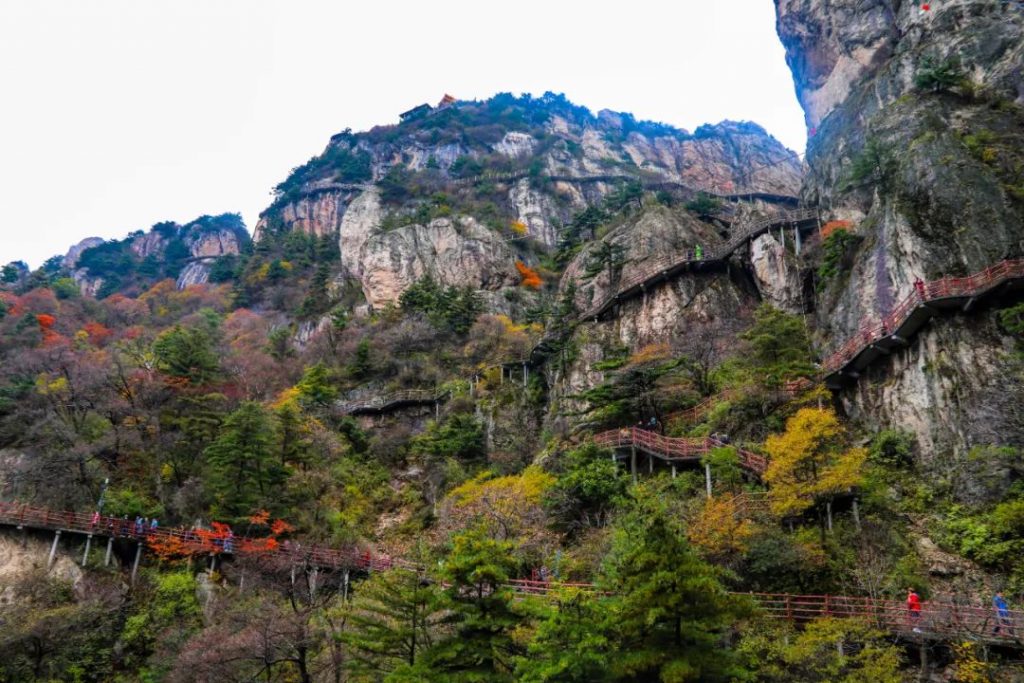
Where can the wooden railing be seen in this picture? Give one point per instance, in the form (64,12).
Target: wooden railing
(941,619)
(700,410)
(675,448)
(655,270)
(196,541)
(873,329)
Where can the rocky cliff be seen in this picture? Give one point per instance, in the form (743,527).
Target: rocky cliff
(916,137)
(438,193)
(184,252)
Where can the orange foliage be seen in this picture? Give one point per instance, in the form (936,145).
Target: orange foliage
(98,333)
(832,226)
(530,277)
(259,517)
(519,228)
(280,526)
(649,353)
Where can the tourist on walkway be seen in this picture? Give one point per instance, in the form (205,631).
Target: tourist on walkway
(95,519)
(1002,614)
(914,609)
(919,287)
(153,525)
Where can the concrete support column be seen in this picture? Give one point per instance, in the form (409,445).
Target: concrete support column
(85,553)
(673,470)
(344,586)
(796,239)
(526,374)
(110,550)
(856,514)
(312,583)
(135,565)
(650,464)
(707,477)
(53,549)
(632,462)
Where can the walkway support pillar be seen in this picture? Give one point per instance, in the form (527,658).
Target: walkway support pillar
(796,239)
(85,553)
(110,550)
(526,374)
(673,470)
(135,565)
(344,586)
(632,462)
(650,464)
(53,549)
(856,514)
(707,477)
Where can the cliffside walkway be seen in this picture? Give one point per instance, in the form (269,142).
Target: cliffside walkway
(943,620)
(663,269)
(939,619)
(877,338)
(673,450)
(380,403)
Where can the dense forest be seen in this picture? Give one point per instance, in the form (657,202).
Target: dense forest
(221,405)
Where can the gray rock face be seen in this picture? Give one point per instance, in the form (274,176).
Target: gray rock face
(928,178)
(456,251)
(75,252)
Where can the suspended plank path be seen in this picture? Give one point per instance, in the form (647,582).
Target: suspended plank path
(938,620)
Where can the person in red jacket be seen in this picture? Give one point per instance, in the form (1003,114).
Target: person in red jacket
(914,609)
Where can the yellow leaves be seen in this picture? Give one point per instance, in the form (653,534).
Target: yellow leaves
(519,228)
(289,395)
(58,386)
(718,528)
(969,667)
(508,508)
(527,487)
(166,472)
(808,462)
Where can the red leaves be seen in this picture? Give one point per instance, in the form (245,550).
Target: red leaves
(98,333)
(46,322)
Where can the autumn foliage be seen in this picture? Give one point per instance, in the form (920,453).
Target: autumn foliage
(832,226)
(530,278)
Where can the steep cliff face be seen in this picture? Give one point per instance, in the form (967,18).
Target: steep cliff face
(916,138)
(184,252)
(441,182)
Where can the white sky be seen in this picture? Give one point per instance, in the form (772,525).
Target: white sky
(118,114)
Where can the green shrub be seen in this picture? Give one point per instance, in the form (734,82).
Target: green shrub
(936,76)
(835,249)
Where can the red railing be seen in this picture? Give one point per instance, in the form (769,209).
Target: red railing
(672,448)
(938,618)
(873,330)
(653,271)
(192,541)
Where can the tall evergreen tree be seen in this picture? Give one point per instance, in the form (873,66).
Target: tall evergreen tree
(243,470)
(673,613)
(392,620)
(479,615)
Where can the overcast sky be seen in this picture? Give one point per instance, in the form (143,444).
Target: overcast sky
(118,114)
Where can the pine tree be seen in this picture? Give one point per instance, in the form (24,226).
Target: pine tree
(571,642)
(243,473)
(673,612)
(392,620)
(480,615)
(186,353)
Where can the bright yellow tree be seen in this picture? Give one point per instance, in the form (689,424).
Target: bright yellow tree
(810,463)
(719,529)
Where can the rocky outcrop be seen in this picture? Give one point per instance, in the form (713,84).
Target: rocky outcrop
(152,243)
(930,174)
(75,252)
(88,285)
(776,273)
(21,555)
(454,251)
(211,244)
(729,157)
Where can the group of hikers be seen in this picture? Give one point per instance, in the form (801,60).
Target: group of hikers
(142,526)
(1003,618)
